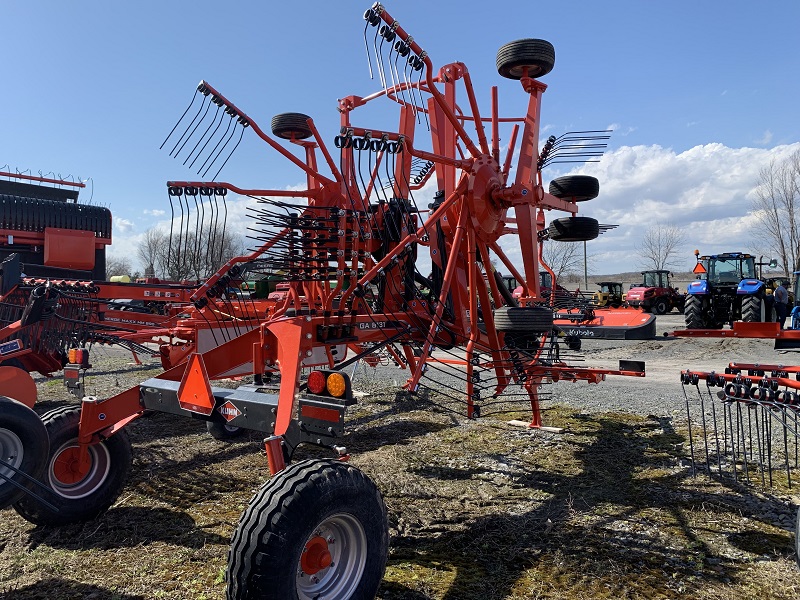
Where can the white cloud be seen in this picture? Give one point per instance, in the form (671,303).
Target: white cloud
(765,139)
(621,130)
(706,190)
(155,212)
(122,225)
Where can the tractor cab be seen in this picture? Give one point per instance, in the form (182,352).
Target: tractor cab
(655,293)
(609,294)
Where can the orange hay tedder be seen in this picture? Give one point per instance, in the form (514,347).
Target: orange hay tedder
(347,251)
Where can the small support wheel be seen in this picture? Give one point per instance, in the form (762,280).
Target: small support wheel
(538,57)
(80,493)
(573,229)
(23,445)
(318,529)
(223,431)
(291,125)
(524,319)
(575,187)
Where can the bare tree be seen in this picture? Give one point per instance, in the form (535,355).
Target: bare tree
(776,206)
(563,257)
(188,254)
(150,249)
(660,245)
(116,265)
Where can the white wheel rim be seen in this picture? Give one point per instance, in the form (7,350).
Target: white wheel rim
(12,451)
(347,544)
(99,469)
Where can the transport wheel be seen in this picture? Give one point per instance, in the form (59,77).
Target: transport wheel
(23,445)
(318,529)
(660,307)
(538,56)
(288,125)
(575,187)
(573,229)
(527,319)
(79,494)
(223,431)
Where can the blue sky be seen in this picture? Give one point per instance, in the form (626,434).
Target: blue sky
(701,95)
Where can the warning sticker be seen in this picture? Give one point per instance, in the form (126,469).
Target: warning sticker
(229,411)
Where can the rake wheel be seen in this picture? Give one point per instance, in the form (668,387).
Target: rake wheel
(23,446)
(524,319)
(575,187)
(573,229)
(291,125)
(531,57)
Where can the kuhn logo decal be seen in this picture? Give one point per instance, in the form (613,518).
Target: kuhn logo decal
(229,411)
(10,347)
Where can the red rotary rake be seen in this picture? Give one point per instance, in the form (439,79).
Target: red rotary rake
(347,250)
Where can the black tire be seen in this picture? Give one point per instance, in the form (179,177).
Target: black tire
(524,319)
(23,444)
(797,537)
(573,229)
(538,56)
(286,518)
(753,310)
(693,313)
(573,342)
(291,125)
(95,492)
(223,431)
(659,307)
(578,188)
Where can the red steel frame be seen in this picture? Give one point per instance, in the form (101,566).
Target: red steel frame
(473,216)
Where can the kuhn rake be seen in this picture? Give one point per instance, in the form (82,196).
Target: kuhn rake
(364,272)
(752,428)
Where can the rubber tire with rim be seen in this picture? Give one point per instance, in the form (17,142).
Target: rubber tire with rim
(524,319)
(81,500)
(752,310)
(693,315)
(538,55)
(23,444)
(573,229)
(659,307)
(288,125)
(223,431)
(283,517)
(575,187)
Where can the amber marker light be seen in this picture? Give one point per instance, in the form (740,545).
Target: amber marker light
(337,385)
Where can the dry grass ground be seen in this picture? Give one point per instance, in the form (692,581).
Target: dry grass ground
(478,510)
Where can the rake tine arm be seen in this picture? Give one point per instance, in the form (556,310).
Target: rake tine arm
(275,145)
(437,95)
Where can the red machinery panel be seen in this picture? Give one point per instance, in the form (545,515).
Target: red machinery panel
(69,248)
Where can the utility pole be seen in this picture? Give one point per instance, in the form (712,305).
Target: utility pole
(585,268)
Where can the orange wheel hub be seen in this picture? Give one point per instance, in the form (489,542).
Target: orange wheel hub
(315,556)
(67,466)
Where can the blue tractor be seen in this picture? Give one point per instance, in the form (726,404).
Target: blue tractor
(728,289)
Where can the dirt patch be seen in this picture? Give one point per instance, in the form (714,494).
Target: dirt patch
(478,509)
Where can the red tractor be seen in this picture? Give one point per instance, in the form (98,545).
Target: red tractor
(655,294)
